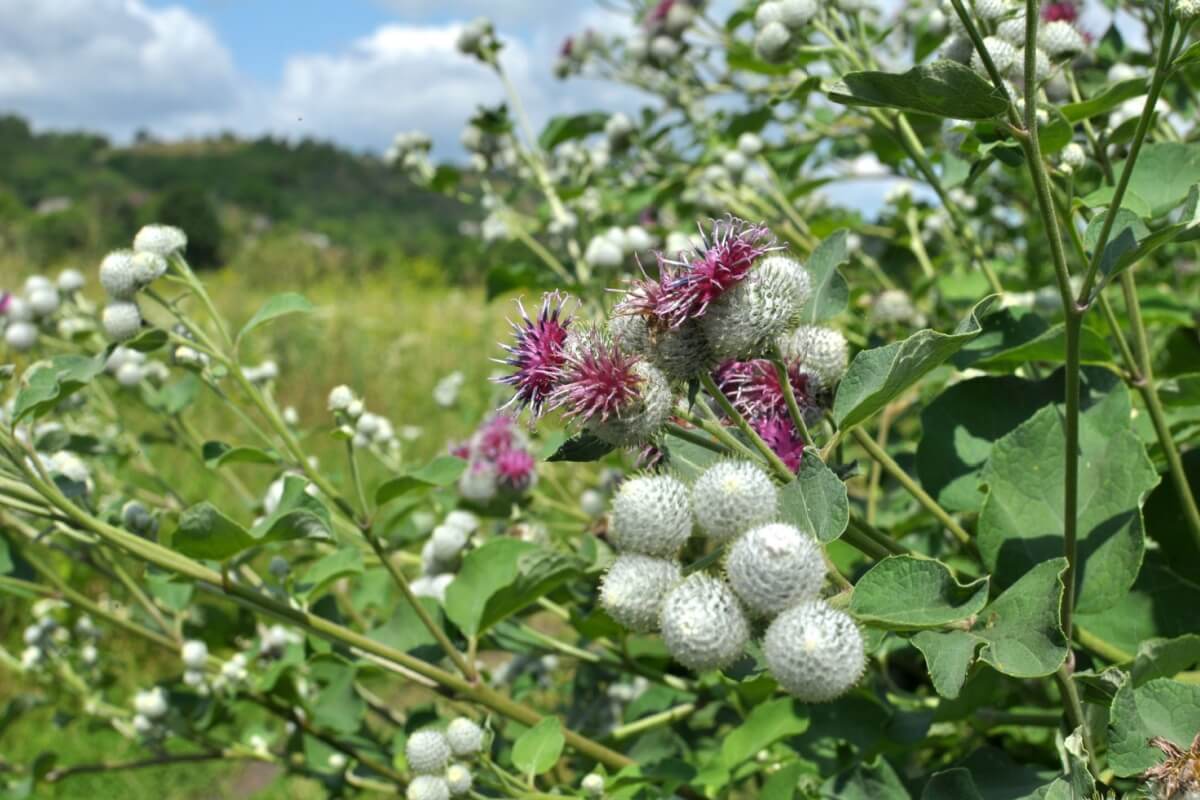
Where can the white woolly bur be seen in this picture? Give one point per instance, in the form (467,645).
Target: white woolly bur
(771,42)
(681,353)
(121,320)
(634,589)
(815,652)
(703,625)
(117,275)
(458,779)
(148,267)
(1060,38)
(731,497)
(1003,54)
(744,319)
(194,654)
(638,424)
(161,239)
(465,737)
(428,752)
(651,515)
(822,352)
(428,787)
(795,14)
(774,567)
(20,335)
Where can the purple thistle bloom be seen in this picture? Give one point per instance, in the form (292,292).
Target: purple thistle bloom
(597,382)
(755,390)
(516,470)
(537,353)
(781,436)
(688,286)
(494,437)
(658,15)
(5,302)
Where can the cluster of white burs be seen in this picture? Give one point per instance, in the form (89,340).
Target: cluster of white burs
(773,573)
(431,753)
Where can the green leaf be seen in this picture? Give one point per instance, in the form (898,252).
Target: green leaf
(276,306)
(563,128)
(204,532)
(337,706)
(175,396)
(871,781)
(952,784)
(1164,517)
(1021,523)
(539,572)
(321,575)
(442,471)
(584,447)
(484,572)
(147,341)
(1106,101)
(781,785)
(299,515)
(50,383)
(766,724)
(1162,707)
(688,460)
(1164,174)
(537,750)
(830,292)
(943,88)
(1163,603)
(1182,390)
(1020,630)
(816,500)
(880,375)
(6,563)
(1164,658)
(405,632)
(218,454)
(1189,56)
(906,593)
(1012,337)
(948,655)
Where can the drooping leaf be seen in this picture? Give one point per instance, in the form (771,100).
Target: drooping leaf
(909,593)
(50,383)
(1164,658)
(341,563)
(537,750)
(204,532)
(1021,523)
(298,515)
(880,375)
(147,341)
(1106,101)
(442,471)
(1011,337)
(766,724)
(1161,605)
(484,572)
(1020,630)
(816,501)
(1161,707)
(563,128)
(830,292)
(948,654)
(275,307)
(218,454)
(337,706)
(584,447)
(943,88)
(539,572)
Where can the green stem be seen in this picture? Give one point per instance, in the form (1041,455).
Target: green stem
(773,460)
(1073,707)
(688,435)
(653,721)
(911,486)
(789,398)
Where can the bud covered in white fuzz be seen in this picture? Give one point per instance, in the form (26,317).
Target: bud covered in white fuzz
(731,497)
(151,703)
(1185,10)
(1042,66)
(591,502)
(428,787)
(703,624)
(815,652)
(1072,156)
(771,42)
(70,280)
(122,320)
(21,336)
(458,779)
(163,240)
(768,12)
(593,785)
(618,127)
(651,515)
(341,398)
(603,253)
(823,353)
(992,10)
(1012,30)
(664,48)
(1003,54)
(43,301)
(118,276)
(448,542)
(645,417)
(795,14)
(465,737)
(734,161)
(751,144)
(428,752)
(774,567)
(634,589)
(194,654)
(745,319)
(463,520)
(1060,39)
(681,353)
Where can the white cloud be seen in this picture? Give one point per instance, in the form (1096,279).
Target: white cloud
(112,64)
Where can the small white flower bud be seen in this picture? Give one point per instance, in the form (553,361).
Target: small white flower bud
(428,752)
(774,567)
(340,398)
(823,353)
(21,336)
(771,42)
(603,253)
(118,276)
(593,784)
(703,625)
(18,310)
(122,320)
(164,240)
(1073,156)
(43,301)
(458,779)
(795,14)
(88,654)
(992,10)
(1061,39)
(651,515)
(591,502)
(618,127)
(336,761)
(1003,54)
(663,49)
(70,280)
(448,543)
(148,267)
(731,497)
(151,703)
(815,652)
(463,520)
(142,724)
(634,589)
(750,144)
(428,787)
(1012,30)
(129,374)
(465,737)
(194,654)
(638,239)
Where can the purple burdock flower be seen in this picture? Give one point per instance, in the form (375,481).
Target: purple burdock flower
(689,285)
(658,15)
(598,382)
(754,389)
(1066,12)
(537,353)
(494,437)
(782,437)
(460,450)
(516,470)
(5,302)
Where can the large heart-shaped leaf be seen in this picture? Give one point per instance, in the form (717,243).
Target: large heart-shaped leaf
(907,593)
(816,500)
(943,88)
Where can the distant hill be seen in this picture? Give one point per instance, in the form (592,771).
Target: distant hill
(71,196)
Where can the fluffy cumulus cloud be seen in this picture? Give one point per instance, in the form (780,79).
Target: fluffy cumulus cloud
(120,65)
(113,65)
